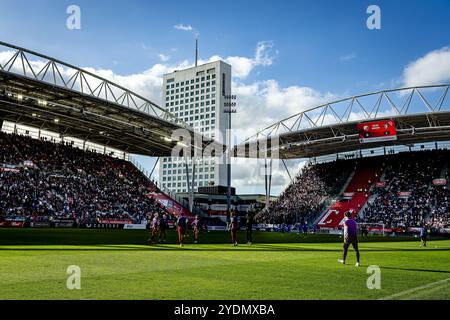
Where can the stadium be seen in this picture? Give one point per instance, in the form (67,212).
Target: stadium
(73,198)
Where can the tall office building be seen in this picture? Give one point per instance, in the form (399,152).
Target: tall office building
(196,96)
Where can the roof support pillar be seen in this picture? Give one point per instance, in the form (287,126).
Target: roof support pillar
(154,166)
(190,186)
(285,166)
(268,179)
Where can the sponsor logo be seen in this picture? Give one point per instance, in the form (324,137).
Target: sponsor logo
(135,226)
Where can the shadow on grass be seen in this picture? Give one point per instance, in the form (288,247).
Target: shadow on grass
(401,269)
(205,248)
(418,270)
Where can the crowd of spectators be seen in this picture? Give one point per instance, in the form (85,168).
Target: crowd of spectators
(307,195)
(409,197)
(41,179)
(406,196)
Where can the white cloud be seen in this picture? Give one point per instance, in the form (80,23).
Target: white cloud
(264,56)
(265,53)
(262,103)
(147,83)
(183,27)
(163,57)
(5,56)
(433,68)
(347,57)
(241,66)
(248,175)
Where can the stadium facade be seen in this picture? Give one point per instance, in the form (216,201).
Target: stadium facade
(196,96)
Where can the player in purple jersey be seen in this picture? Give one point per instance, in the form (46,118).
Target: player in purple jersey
(423,235)
(350,237)
(163,228)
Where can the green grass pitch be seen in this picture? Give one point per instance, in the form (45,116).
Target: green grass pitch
(117,264)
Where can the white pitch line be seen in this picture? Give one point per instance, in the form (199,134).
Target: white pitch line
(415,289)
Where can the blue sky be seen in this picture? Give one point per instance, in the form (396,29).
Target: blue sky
(321,45)
(311,36)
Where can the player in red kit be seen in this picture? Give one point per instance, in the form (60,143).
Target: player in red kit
(163,228)
(181,228)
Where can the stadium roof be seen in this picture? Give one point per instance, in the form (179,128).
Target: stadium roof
(421,114)
(43,92)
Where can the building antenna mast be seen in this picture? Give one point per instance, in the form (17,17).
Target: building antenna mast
(196,49)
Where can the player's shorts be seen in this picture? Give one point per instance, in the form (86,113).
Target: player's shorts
(423,238)
(351,240)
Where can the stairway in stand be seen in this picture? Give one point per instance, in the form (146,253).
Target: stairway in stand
(354,197)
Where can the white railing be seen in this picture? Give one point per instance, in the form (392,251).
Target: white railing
(364,107)
(39,67)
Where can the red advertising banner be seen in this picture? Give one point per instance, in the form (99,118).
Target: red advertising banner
(12,224)
(440,182)
(376,131)
(16,224)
